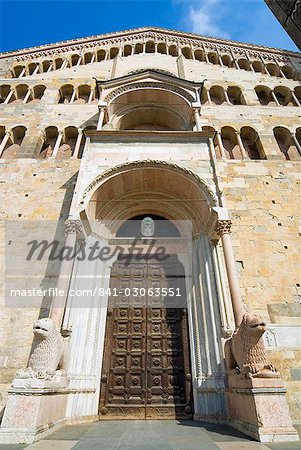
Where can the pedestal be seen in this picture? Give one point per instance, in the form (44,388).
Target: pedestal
(258,408)
(32,414)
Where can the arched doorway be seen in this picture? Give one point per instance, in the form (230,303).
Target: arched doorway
(140,189)
(146,370)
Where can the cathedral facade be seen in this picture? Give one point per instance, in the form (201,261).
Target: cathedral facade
(179,135)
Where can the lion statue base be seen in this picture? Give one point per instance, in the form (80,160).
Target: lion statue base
(47,362)
(245,353)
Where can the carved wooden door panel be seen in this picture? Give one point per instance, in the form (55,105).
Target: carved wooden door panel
(146,369)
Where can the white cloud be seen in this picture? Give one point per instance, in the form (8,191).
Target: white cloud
(204,19)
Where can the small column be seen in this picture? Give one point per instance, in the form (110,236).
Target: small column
(65,64)
(73,95)
(79,61)
(227,97)
(26,98)
(220,144)
(197,119)
(4,142)
(223,229)
(295,99)
(296,142)
(102,110)
(93,58)
(57,144)
(91,95)
(22,73)
(36,70)
(275,98)
(50,68)
(77,144)
(7,100)
(208,97)
(73,229)
(241,146)
(206,58)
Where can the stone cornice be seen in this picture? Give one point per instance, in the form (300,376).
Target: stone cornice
(178,37)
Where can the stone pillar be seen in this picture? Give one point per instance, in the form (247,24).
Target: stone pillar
(27,96)
(4,142)
(65,64)
(275,98)
(241,146)
(73,95)
(296,142)
(77,145)
(79,61)
(227,97)
(220,144)
(101,109)
(73,228)
(223,229)
(57,144)
(22,73)
(91,95)
(295,99)
(7,100)
(208,97)
(37,69)
(197,119)
(93,58)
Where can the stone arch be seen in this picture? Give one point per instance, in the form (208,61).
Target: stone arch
(83,95)
(58,62)
(4,91)
(46,65)
(258,66)
(162,48)
(21,91)
(264,95)
(18,70)
(67,146)
(127,50)
(138,48)
(230,143)
(173,50)
(273,69)
(288,72)
(149,106)
(197,206)
(88,57)
(74,59)
(15,142)
(213,58)
(252,143)
(244,64)
(66,92)
(215,140)
(199,54)
(150,47)
(227,60)
(100,55)
(235,95)
(50,137)
(38,92)
(286,144)
(284,96)
(297,92)
(217,95)
(186,52)
(32,67)
(113,52)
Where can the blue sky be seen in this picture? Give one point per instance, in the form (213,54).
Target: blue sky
(27,23)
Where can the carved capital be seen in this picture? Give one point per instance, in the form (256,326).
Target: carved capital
(73,227)
(223,227)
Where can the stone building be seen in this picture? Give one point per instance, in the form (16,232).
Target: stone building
(288,13)
(169,126)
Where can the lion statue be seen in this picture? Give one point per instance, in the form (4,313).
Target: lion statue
(48,357)
(244,351)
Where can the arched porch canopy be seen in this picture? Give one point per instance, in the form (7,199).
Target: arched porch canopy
(149,187)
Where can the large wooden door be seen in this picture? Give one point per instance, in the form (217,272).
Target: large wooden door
(146,369)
